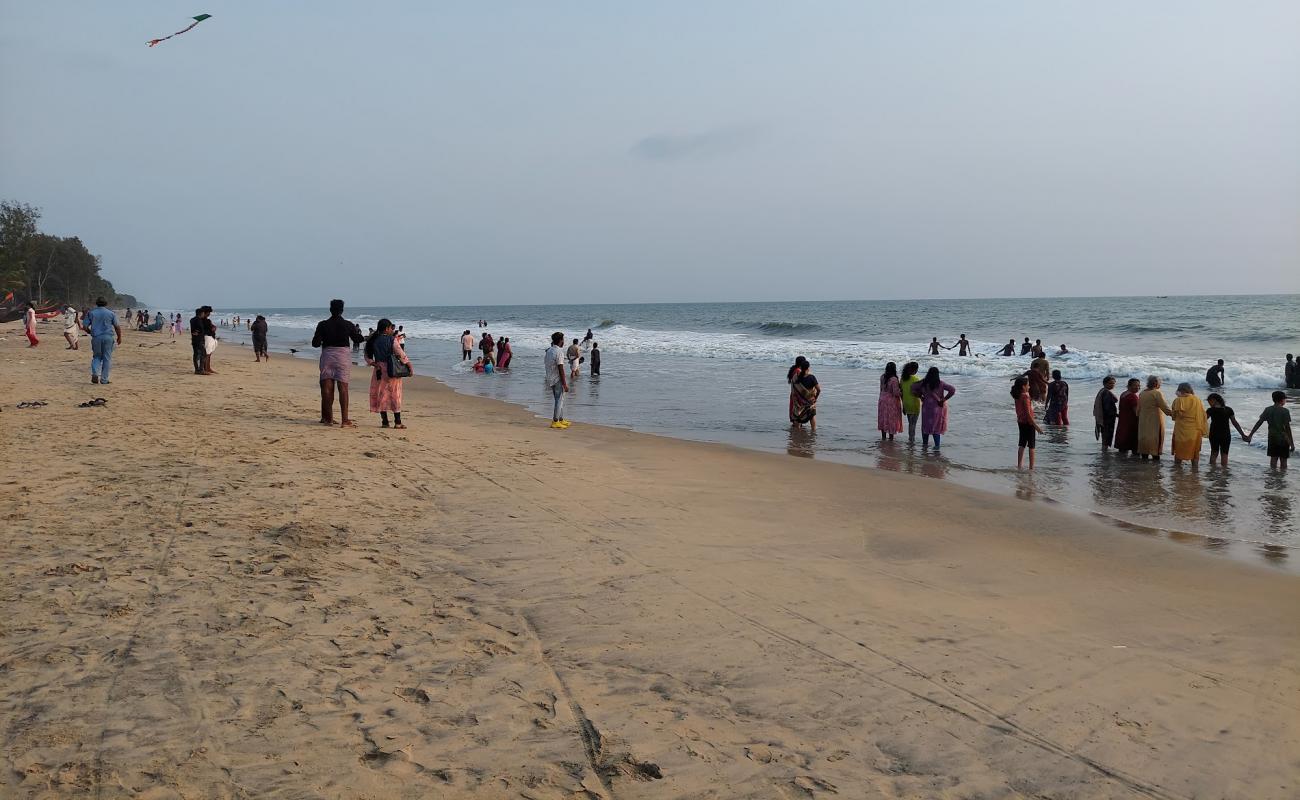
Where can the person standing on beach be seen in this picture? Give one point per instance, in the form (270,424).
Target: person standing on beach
(259,338)
(1190,426)
(196,338)
(934,346)
(1291,372)
(1029,427)
(588,337)
(382,349)
(553,361)
(1037,375)
(889,406)
(201,328)
(1281,442)
(1214,375)
(934,394)
(1105,411)
(487,344)
(105,335)
(1151,412)
(962,345)
(595,359)
(466,345)
(911,403)
(1221,416)
(1058,401)
(335,337)
(1038,351)
(504,353)
(29,325)
(1025,347)
(1126,423)
(72,327)
(804,391)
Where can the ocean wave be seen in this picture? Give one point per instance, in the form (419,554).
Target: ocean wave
(756,346)
(784,328)
(606,323)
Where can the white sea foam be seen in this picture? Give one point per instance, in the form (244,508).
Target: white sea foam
(867,355)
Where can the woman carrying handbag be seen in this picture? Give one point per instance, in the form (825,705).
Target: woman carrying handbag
(390,364)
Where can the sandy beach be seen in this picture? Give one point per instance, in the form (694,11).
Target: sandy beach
(209,595)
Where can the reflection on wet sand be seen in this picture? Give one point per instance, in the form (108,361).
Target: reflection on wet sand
(912,459)
(802,442)
(1276,502)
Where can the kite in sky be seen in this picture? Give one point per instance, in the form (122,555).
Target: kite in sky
(196,21)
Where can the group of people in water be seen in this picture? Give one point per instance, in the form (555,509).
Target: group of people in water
(496,353)
(1131,423)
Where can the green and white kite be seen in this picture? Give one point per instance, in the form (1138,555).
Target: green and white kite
(196,21)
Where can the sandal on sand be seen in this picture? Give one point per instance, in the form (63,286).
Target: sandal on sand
(98,401)
(348,424)
(33,404)
(399,427)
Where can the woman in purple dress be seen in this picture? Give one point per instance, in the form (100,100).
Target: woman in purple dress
(889,408)
(934,395)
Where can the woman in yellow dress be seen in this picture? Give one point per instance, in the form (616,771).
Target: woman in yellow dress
(1190,425)
(1151,420)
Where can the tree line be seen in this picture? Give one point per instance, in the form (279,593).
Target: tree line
(49,269)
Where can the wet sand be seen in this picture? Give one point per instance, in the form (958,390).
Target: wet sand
(211,595)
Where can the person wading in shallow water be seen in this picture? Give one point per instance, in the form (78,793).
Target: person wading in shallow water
(335,337)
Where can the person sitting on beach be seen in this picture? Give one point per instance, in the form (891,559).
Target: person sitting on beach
(259,338)
(1214,375)
(1009,350)
(1221,416)
(804,391)
(1105,411)
(335,336)
(1280,439)
(574,356)
(1058,401)
(478,364)
(1029,427)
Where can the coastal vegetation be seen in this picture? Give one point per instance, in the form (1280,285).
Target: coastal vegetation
(45,268)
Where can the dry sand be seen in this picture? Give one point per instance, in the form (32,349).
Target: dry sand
(209,595)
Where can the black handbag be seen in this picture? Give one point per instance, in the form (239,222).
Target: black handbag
(398,368)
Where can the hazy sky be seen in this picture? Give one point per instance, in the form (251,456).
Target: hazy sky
(283,153)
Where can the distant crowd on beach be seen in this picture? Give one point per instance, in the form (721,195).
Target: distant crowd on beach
(1132,423)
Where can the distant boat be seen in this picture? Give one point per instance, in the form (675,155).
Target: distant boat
(1162,297)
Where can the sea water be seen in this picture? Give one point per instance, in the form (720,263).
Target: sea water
(716,372)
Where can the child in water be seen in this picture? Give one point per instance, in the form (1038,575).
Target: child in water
(1029,427)
(1220,434)
(478,365)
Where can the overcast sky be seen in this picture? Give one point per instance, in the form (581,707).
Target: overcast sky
(282,153)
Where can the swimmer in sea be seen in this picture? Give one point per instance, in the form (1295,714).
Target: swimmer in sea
(1009,350)
(1214,376)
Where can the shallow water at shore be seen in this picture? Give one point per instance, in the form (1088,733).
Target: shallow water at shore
(723,381)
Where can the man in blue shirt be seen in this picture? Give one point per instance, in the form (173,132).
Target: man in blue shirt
(105,334)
